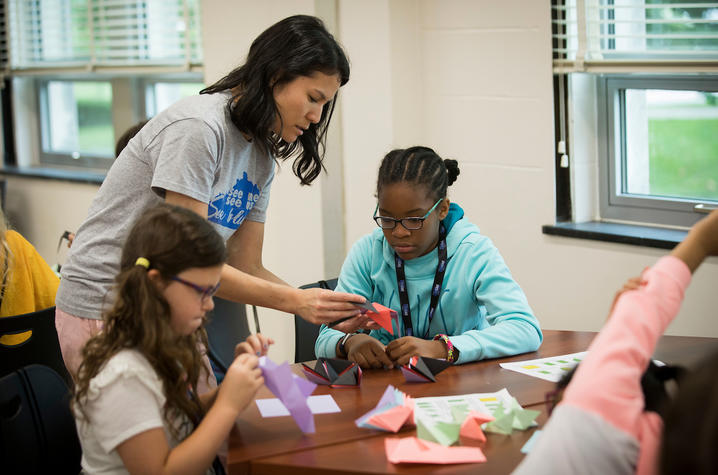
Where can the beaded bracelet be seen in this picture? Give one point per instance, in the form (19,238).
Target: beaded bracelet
(450,353)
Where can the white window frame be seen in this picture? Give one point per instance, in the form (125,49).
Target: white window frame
(615,204)
(104,58)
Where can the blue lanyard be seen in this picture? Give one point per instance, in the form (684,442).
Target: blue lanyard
(435,289)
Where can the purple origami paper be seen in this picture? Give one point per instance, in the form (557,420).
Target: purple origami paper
(292,390)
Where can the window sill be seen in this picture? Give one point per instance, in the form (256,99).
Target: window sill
(646,236)
(77,176)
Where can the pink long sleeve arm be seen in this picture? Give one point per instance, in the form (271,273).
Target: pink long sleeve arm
(608,381)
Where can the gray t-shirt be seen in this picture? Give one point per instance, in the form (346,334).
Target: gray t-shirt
(578,441)
(192,148)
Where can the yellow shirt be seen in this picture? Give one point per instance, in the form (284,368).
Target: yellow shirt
(31,285)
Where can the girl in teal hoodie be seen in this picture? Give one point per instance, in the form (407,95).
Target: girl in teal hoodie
(453,293)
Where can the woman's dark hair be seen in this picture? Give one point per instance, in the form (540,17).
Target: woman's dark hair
(690,430)
(420,166)
(296,46)
(127,136)
(172,239)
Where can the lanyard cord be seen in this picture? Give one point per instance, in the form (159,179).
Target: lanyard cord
(435,289)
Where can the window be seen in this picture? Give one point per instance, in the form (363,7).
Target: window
(653,66)
(659,158)
(83,71)
(162,93)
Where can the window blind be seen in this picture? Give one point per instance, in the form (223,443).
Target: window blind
(97,33)
(634,36)
(3,39)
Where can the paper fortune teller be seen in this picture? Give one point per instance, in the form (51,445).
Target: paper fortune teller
(334,372)
(423,370)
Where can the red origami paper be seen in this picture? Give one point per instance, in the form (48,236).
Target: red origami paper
(383,316)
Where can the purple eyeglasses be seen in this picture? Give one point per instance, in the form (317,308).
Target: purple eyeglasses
(205,292)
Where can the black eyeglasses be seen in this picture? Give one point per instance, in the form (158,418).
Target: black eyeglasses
(411,223)
(204,292)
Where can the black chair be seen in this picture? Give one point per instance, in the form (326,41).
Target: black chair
(306,333)
(37,428)
(42,347)
(226,327)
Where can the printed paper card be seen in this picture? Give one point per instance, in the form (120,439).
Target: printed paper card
(551,369)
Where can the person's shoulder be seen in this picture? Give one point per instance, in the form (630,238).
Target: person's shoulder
(126,363)
(14,237)
(18,244)
(207,109)
(369,240)
(465,233)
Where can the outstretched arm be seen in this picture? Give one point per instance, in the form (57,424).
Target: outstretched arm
(258,286)
(620,353)
(702,241)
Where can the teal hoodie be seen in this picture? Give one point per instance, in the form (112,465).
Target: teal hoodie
(481,308)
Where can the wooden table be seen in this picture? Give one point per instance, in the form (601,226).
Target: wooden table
(277,446)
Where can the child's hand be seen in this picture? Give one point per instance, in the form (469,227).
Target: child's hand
(631,284)
(241,382)
(402,349)
(367,351)
(255,344)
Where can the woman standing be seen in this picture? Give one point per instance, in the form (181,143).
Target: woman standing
(215,154)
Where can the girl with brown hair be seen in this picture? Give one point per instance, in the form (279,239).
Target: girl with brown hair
(136,405)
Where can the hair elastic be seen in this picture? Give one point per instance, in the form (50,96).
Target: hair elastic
(142,261)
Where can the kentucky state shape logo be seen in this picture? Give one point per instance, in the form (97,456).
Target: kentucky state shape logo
(231,207)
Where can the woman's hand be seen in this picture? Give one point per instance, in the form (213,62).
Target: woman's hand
(324,306)
(254,344)
(241,382)
(367,351)
(360,322)
(402,349)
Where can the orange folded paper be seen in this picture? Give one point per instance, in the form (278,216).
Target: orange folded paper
(393,419)
(471,427)
(383,317)
(414,450)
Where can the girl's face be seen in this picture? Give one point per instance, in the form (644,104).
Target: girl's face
(188,304)
(404,200)
(300,103)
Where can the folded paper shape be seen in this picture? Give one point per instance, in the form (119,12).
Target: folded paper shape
(383,316)
(292,390)
(414,450)
(420,369)
(393,411)
(334,372)
(391,420)
(444,433)
(515,417)
(471,427)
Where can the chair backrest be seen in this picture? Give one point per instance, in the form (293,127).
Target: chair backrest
(226,327)
(42,347)
(306,333)
(37,428)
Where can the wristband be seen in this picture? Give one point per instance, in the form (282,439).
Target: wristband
(343,342)
(452,354)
